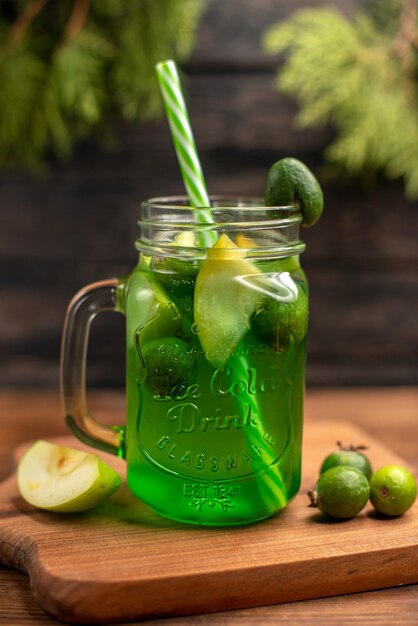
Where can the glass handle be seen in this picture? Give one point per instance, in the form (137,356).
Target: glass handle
(86,304)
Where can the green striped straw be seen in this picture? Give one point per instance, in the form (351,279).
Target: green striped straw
(191,171)
(185,147)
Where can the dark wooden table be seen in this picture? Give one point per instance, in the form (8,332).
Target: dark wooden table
(388,414)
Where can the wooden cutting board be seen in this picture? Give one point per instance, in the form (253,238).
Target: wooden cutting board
(122,562)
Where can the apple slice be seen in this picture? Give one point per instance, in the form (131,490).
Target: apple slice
(63,479)
(224,300)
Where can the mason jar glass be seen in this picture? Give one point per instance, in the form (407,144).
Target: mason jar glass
(215,360)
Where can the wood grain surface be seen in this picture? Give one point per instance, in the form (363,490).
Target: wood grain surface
(123,562)
(389,415)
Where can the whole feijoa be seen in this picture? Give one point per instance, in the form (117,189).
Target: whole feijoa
(168,362)
(341,492)
(289,180)
(282,324)
(393,490)
(350,456)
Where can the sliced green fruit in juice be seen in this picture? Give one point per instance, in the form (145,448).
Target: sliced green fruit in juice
(168,363)
(223,303)
(154,314)
(186,239)
(282,322)
(178,274)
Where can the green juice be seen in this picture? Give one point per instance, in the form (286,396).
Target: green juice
(211,442)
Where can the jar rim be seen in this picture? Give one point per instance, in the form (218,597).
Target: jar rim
(166,222)
(218,202)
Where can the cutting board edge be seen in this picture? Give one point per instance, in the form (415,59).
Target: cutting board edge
(227,593)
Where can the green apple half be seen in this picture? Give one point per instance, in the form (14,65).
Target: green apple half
(63,479)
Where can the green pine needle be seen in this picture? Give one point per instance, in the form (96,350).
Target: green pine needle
(162,29)
(62,78)
(22,76)
(347,73)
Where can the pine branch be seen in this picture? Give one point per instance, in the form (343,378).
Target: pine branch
(164,28)
(67,68)
(77,18)
(23,22)
(348,73)
(407,37)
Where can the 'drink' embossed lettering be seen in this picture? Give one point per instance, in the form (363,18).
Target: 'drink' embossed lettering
(188,419)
